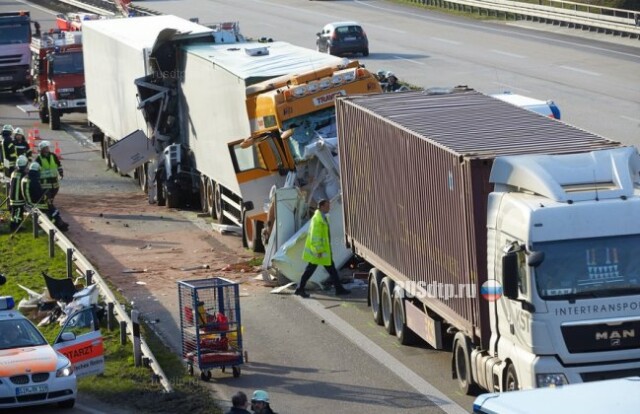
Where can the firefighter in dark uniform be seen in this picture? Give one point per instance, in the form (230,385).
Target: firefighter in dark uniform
(37,197)
(21,144)
(16,197)
(50,171)
(8,150)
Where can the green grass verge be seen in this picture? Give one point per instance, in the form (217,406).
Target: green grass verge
(23,259)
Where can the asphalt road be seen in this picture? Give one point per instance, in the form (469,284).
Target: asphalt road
(327,355)
(595,82)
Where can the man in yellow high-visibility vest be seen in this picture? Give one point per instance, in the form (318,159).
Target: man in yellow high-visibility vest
(317,251)
(50,170)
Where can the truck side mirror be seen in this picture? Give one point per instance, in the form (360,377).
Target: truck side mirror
(510,275)
(535,259)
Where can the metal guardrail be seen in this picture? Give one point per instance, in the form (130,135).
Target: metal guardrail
(571,14)
(84,266)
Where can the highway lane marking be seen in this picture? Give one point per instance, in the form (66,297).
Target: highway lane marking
(476,26)
(409,60)
(628,118)
(448,41)
(586,72)
(513,55)
(392,364)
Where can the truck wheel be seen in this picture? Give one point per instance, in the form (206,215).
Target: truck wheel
(511,379)
(461,364)
(160,196)
(204,198)
(144,182)
(105,153)
(44,115)
(374,295)
(54,119)
(403,333)
(171,195)
(386,305)
(252,234)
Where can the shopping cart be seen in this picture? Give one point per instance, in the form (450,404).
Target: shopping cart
(210,325)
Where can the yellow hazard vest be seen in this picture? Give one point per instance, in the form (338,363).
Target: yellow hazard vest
(317,248)
(49,172)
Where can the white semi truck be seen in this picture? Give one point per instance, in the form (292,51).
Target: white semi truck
(514,235)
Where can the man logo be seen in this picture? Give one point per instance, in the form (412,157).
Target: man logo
(625,333)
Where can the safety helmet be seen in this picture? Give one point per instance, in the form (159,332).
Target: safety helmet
(34,166)
(44,144)
(22,161)
(7,128)
(382,73)
(259,395)
(390,74)
(18,131)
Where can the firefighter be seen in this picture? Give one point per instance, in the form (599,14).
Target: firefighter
(21,144)
(51,169)
(37,197)
(16,196)
(8,150)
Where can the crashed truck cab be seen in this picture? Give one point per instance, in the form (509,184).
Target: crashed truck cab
(32,372)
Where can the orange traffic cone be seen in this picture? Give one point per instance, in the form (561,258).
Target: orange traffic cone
(36,131)
(32,142)
(57,151)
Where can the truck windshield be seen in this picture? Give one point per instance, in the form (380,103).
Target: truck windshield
(13,34)
(68,63)
(308,128)
(599,267)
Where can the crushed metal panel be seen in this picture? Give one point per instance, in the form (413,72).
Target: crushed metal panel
(132,151)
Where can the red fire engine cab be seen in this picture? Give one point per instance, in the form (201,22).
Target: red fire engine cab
(58,74)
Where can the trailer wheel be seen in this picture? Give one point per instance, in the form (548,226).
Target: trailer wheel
(386,305)
(142,177)
(204,198)
(211,200)
(403,333)
(511,379)
(44,114)
(374,295)
(461,363)
(54,119)
(219,205)
(105,153)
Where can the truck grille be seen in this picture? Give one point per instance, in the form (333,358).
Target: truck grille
(10,59)
(602,337)
(605,375)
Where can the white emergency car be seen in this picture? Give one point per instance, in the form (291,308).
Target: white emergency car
(32,372)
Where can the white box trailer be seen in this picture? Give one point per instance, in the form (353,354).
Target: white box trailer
(116,53)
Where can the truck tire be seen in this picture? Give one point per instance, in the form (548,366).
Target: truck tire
(386,305)
(160,197)
(219,205)
(405,335)
(204,206)
(105,153)
(54,119)
(461,363)
(211,201)
(43,113)
(171,195)
(143,179)
(374,295)
(511,379)
(252,234)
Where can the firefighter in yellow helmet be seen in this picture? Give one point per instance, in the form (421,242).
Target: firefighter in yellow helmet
(50,169)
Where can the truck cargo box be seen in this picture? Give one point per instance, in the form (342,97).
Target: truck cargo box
(415,180)
(115,54)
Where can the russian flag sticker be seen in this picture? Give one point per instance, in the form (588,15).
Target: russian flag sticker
(491,290)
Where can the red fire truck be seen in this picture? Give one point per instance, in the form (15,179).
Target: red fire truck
(72,22)
(58,75)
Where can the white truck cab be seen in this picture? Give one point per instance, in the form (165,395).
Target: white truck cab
(32,372)
(611,396)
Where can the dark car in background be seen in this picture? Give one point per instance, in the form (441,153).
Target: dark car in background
(341,38)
